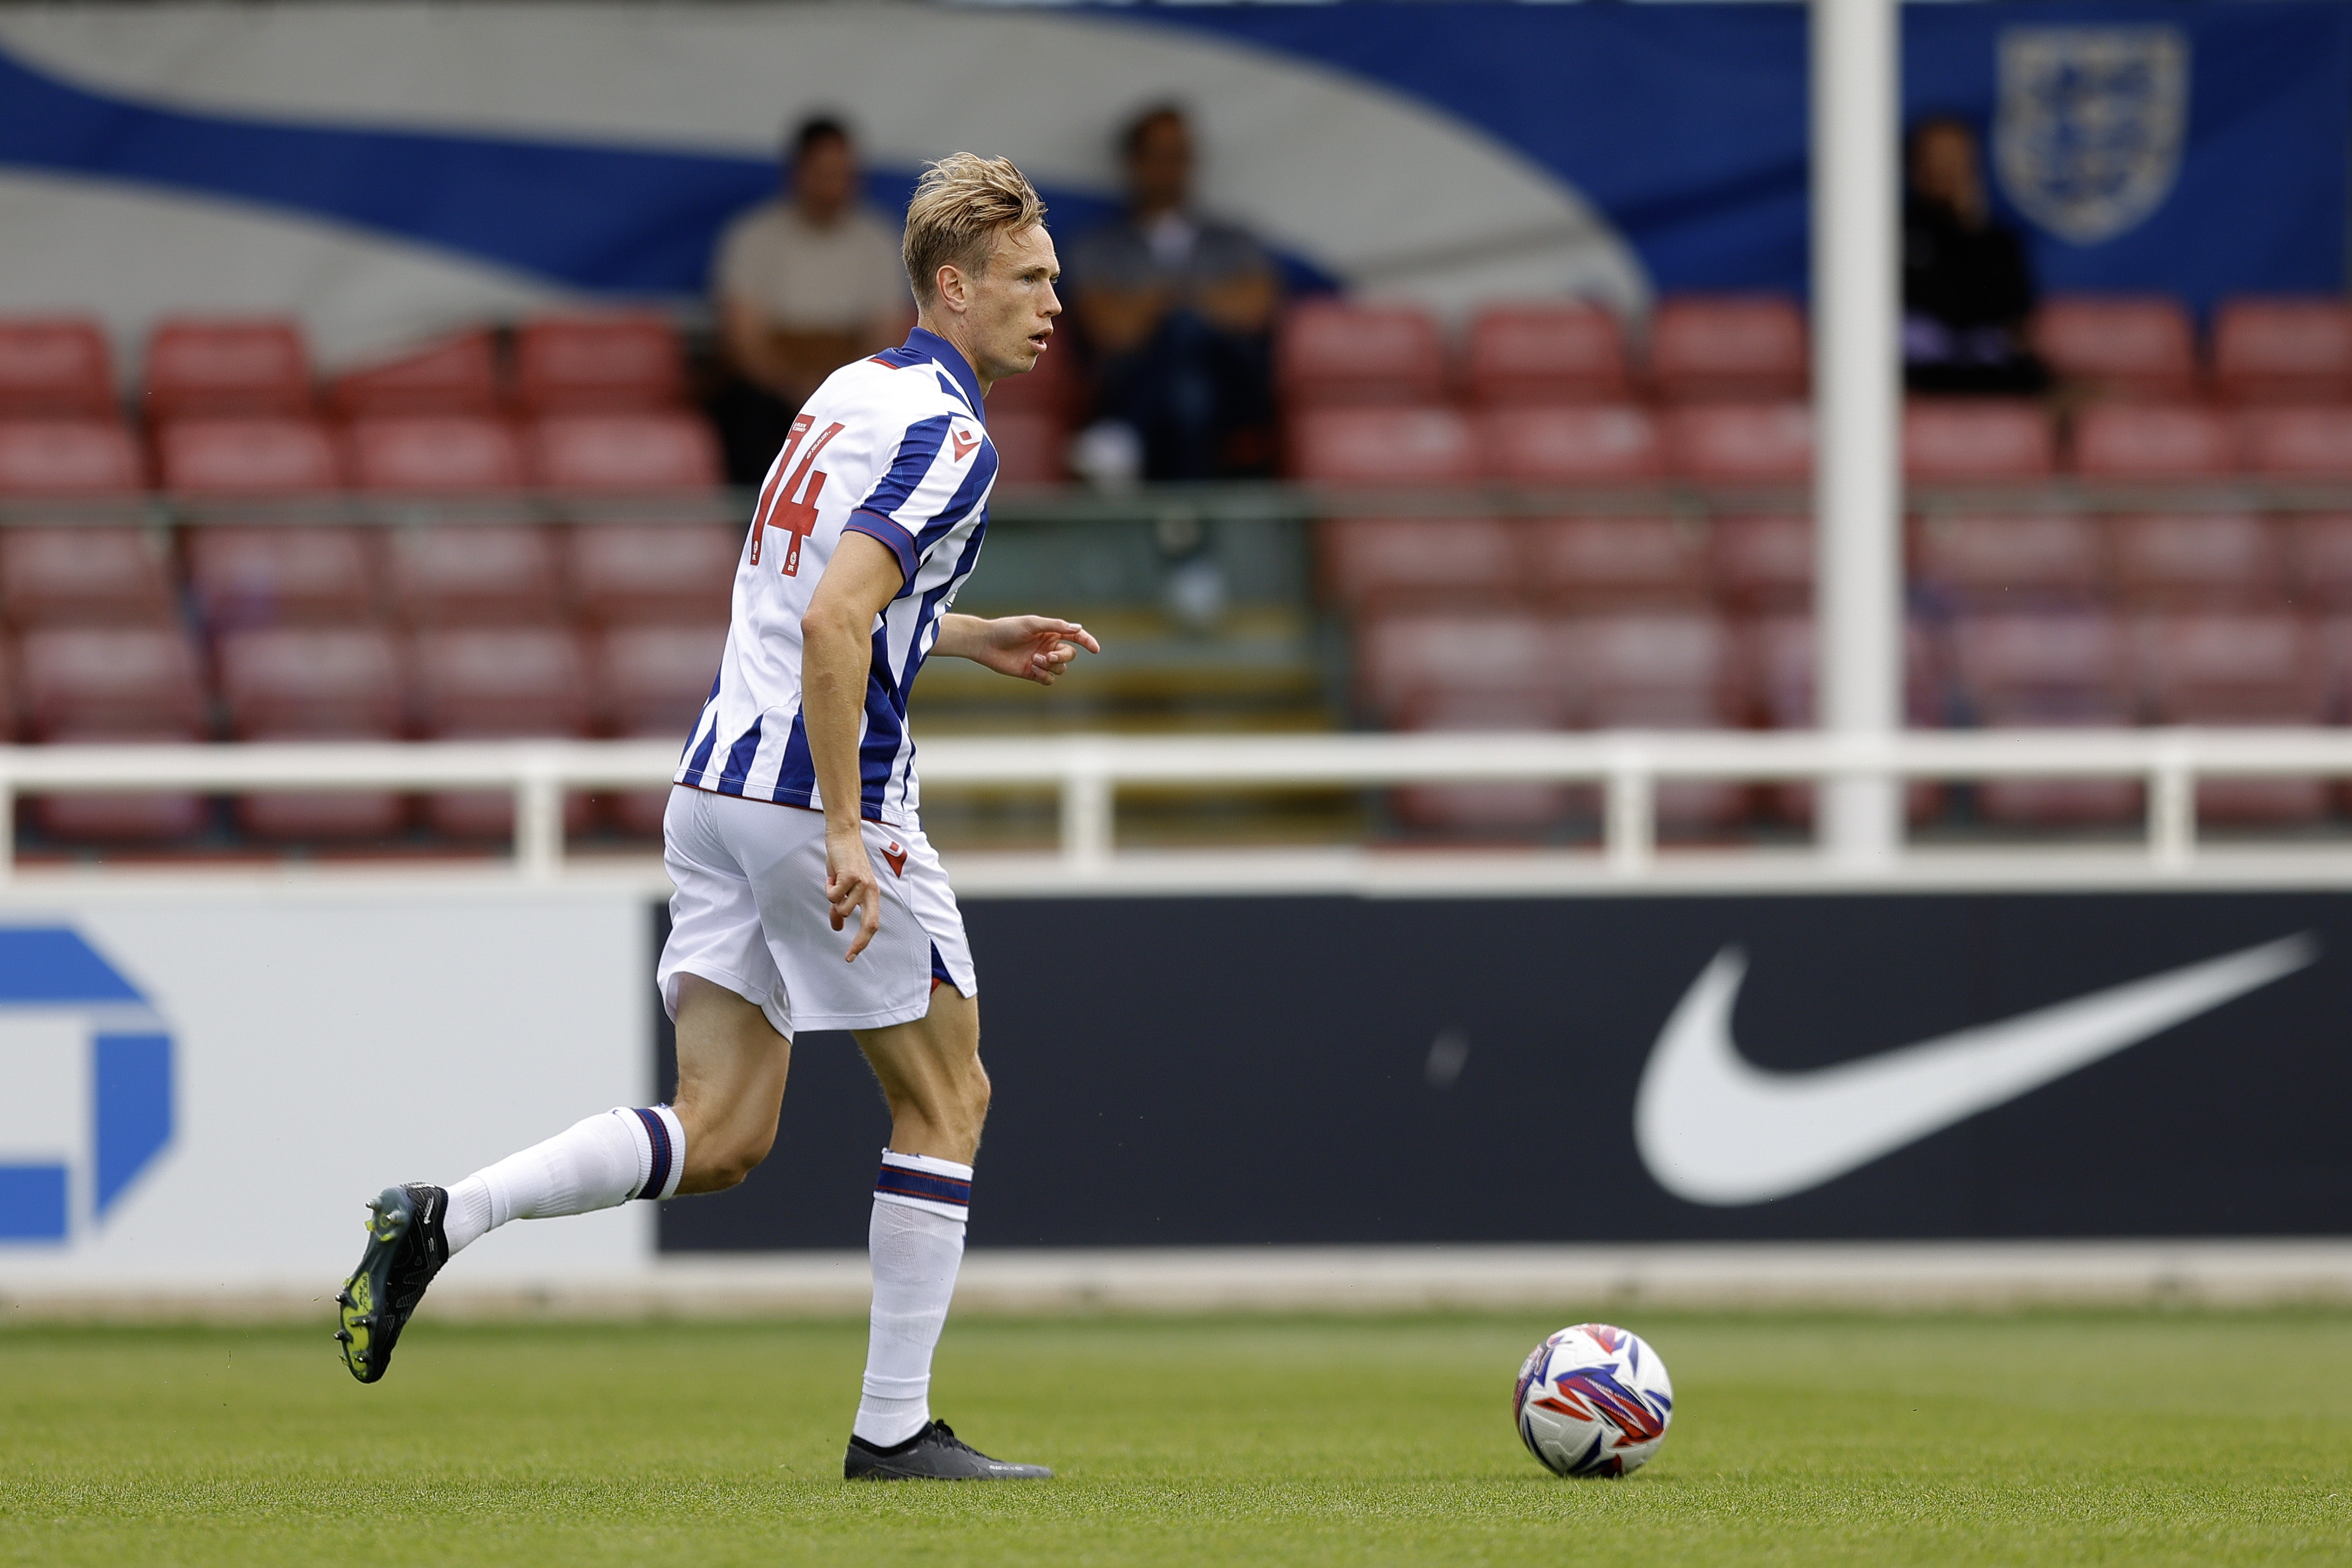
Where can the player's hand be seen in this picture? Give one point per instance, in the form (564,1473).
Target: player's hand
(1030,648)
(850,886)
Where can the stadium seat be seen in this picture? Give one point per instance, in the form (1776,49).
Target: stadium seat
(2283,351)
(1783,691)
(1593,562)
(85,576)
(456,375)
(496,684)
(203,367)
(2133,345)
(2299,442)
(1949,439)
(252,455)
(1574,444)
(1385,445)
(55,367)
(2154,441)
(326,683)
(2231,668)
(654,681)
(2190,558)
(1743,348)
(1512,809)
(263,575)
(144,820)
(576,364)
(474,575)
(68,457)
(1373,565)
(632,573)
(119,680)
(1659,671)
(2319,559)
(437,454)
(2061,669)
(1564,352)
(641,451)
(1407,661)
(1760,562)
(1029,447)
(2035,560)
(1742,443)
(1331,352)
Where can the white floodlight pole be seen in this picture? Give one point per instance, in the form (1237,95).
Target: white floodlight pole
(1858,406)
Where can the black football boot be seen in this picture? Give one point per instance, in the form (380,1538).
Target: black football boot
(933,1454)
(405,1248)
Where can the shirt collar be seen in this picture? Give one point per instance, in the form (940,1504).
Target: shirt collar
(922,340)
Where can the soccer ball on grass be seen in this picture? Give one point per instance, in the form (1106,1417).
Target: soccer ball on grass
(1592,1400)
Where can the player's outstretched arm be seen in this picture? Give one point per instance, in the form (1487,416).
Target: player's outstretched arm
(1027,648)
(836,655)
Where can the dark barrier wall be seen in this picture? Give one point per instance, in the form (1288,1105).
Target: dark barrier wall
(1214,1070)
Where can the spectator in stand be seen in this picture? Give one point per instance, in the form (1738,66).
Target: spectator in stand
(806,282)
(1967,292)
(1178,312)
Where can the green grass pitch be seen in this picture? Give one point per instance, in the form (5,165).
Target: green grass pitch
(2155,1437)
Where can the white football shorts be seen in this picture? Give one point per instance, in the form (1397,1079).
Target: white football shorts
(750,914)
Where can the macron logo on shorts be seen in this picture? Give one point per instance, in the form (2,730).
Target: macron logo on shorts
(897,857)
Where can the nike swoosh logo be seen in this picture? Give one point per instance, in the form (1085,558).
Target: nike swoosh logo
(1714,1129)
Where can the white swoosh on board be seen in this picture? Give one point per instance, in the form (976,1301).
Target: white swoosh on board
(1714,1129)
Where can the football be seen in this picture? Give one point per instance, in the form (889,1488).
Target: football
(1592,1400)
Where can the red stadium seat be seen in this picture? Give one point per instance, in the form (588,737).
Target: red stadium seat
(2049,670)
(477,684)
(245,576)
(650,452)
(86,575)
(1659,671)
(2139,346)
(1507,808)
(2153,441)
(1029,447)
(1408,660)
(2319,557)
(119,680)
(1763,563)
(248,455)
(1564,352)
(574,364)
(1580,444)
(338,683)
(68,456)
(1782,690)
(2299,442)
(227,367)
(2238,668)
(1596,561)
(1746,443)
(474,575)
(437,454)
(654,681)
(2283,351)
(142,819)
(1338,351)
(630,572)
(457,374)
(2037,560)
(1744,348)
(1378,564)
(2188,558)
(1385,445)
(1958,439)
(55,367)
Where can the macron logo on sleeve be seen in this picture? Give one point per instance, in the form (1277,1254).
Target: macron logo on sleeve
(964,442)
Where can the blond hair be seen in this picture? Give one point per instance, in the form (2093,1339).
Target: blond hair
(964,202)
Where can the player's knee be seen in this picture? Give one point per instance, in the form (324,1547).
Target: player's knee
(726,1158)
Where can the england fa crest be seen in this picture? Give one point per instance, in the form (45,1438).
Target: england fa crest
(2091,123)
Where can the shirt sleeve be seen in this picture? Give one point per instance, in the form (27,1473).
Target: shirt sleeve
(943,467)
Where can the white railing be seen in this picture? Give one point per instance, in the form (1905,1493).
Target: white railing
(1086,771)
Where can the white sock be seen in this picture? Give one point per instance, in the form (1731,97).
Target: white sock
(594,1164)
(917,1242)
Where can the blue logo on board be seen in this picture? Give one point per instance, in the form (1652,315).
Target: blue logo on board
(58,994)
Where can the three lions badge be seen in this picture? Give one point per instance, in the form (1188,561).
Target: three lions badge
(2092,120)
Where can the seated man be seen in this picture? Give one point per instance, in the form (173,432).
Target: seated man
(1967,290)
(804,284)
(1178,310)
